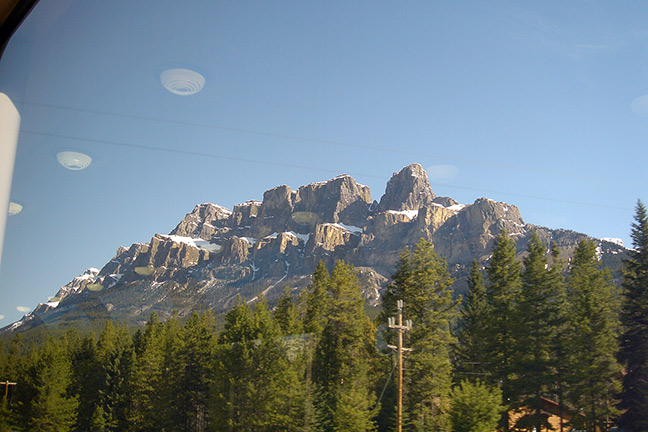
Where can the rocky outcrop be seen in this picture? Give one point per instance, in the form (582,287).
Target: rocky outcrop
(243,215)
(124,259)
(408,190)
(445,201)
(329,237)
(236,250)
(274,212)
(392,225)
(471,232)
(76,285)
(205,221)
(429,220)
(341,199)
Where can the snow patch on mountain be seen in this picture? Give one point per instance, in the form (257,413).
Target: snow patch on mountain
(195,242)
(616,241)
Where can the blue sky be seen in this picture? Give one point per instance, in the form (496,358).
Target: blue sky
(525,102)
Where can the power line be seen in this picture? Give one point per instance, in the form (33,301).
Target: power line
(191,153)
(313,140)
(309,168)
(382,393)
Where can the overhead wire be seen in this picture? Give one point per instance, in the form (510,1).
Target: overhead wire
(313,140)
(304,167)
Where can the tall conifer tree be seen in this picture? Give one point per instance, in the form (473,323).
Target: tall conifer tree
(591,339)
(192,370)
(471,352)
(257,386)
(343,357)
(539,313)
(316,300)
(422,281)
(633,352)
(502,292)
(85,381)
(286,315)
(113,355)
(47,404)
(314,306)
(231,404)
(147,377)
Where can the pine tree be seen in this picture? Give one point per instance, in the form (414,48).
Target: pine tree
(47,404)
(147,377)
(422,281)
(316,300)
(314,305)
(561,344)
(633,352)
(397,288)
(5,415)
(277,393)
(592,339)
(475,407)
(286,315)
(471,353)
(165,400)
(113,356)
(191,371)
(539,317)
(86,381)
(343,357)
(10,366)
(502,290)
(230,403)
(257,386)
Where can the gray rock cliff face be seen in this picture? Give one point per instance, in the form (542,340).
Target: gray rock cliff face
(259,248)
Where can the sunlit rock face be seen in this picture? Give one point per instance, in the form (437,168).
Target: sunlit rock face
(341,199)
(259,248)
(471,232)
(204,221)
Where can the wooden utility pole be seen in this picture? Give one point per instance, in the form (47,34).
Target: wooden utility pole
(7,384)
(400,349)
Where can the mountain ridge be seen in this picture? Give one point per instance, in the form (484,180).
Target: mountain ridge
(261,247)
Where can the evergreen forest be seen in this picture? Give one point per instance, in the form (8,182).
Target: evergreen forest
(528,333)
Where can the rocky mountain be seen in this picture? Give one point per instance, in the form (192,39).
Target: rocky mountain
(260,248)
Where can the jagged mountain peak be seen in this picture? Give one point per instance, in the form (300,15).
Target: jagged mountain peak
(409,189)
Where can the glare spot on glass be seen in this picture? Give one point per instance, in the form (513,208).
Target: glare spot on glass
(183,82)
(74,161)
(144,271)
(14,208)
(442,173)
(94,287)
(23,309)
(2,317)
(640,106)
(209,247)
(304,217)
